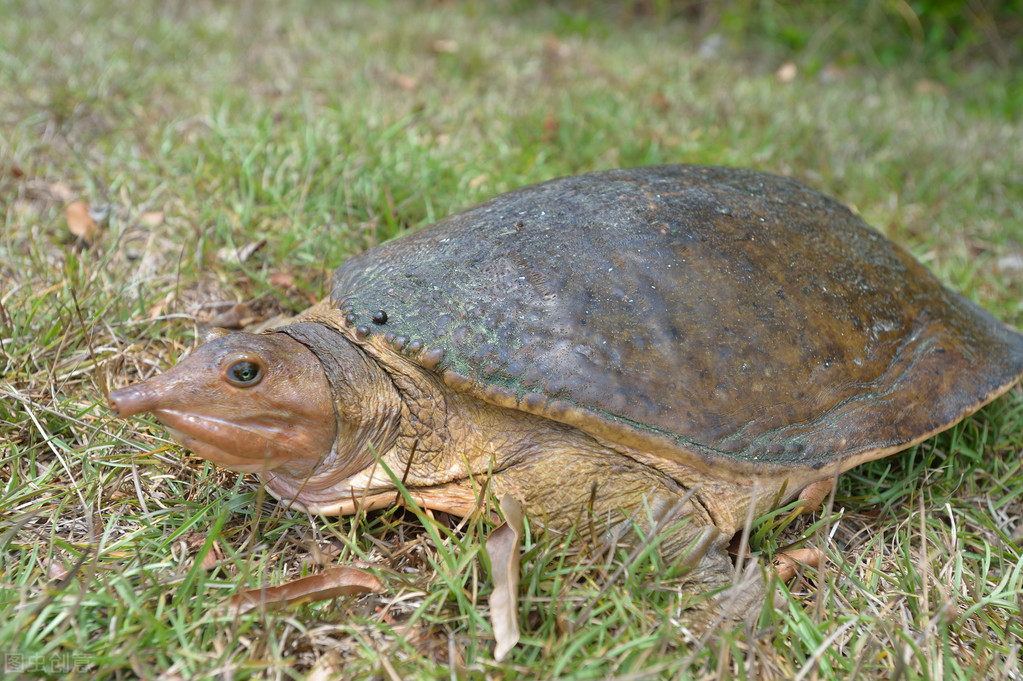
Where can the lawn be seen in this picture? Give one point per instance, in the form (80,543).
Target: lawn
(166,165)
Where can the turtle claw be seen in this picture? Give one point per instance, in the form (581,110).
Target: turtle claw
(744,600)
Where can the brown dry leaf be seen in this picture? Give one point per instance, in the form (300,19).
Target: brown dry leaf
(56,569)
(925,86)
(332,583)
(554,49)
(429,642)
(503,549)
(404,82)
(327,668)
(281,279)
(444,46)
(61,192)
(786,73)
(13,170)
(153,218)
(80,222)
(234,256)
(322,556)
(158,308)
(235,317)
(195,540)
(212,557)
(789,564)
(661,103)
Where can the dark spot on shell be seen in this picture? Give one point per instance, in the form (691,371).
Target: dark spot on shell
(400,342)
(361,331)
(432,358)
(379,317)
(350,318)
(389,336)
(415,346)
(519,225)
(533,401)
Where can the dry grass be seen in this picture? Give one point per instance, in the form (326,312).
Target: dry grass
(318,130)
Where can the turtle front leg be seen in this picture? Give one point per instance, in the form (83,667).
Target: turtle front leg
(605,496)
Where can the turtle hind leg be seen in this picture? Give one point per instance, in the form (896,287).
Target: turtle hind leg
(720,593)
(599,496)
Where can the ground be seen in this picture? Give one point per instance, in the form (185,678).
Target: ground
(163,165)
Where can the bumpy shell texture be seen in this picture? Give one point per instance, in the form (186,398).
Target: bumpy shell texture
(703,314)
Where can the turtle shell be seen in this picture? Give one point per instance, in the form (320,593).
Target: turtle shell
(709,315)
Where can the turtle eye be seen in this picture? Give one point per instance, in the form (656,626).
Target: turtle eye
(244,374)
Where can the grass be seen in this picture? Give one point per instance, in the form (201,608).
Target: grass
(323,129)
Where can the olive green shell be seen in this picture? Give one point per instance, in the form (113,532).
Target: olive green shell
(699,313)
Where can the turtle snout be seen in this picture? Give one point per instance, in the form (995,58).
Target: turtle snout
(134,399)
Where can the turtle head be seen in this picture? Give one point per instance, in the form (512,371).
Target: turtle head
(249,402)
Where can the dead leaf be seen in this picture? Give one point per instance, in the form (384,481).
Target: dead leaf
(925,86)
(554,49)
(281,279)
(80,222)
(790,563)
(786,73)
(332,583)
(503,549)
(322,555)
(327,668)
(404,82)
(195,540)
(157,310)
(444,46)
(12,170)
(152,218)
(430,642)
(61,192)
(661,103)
(235,317)
(56,569)
(234,256)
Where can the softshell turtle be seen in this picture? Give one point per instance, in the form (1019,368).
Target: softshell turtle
(671,341)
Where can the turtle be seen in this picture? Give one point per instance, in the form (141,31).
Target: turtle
(658,347)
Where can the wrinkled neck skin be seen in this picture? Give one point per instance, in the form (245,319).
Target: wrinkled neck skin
(397,421)
(367,409)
